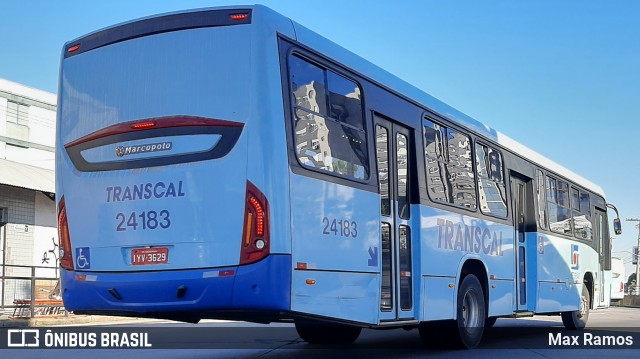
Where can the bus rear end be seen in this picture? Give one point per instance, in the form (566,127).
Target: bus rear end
(158,214)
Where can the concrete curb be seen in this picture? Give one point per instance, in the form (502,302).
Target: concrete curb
(71,320)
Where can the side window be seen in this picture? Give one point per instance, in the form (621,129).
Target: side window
(558,206)
(491,188)
(450,176)
(382,150)
(344,100)
(581,206)
(542,205)
(329,123)
(402,159)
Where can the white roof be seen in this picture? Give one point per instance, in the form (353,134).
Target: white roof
(25,176)
(547,163)
(17,89)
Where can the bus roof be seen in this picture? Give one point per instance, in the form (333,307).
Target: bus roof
(381,76)
(390,81)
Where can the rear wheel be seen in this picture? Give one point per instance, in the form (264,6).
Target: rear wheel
(466,331)
(471,312)
(315,332)
(578,319)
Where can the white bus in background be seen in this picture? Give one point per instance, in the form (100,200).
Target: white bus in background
(618,277)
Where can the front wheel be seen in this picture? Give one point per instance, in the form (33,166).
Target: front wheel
(315,332)
(578,319)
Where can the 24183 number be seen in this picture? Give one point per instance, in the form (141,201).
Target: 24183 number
(340,227)
(145,220)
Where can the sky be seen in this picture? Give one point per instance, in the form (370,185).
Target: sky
(561,77)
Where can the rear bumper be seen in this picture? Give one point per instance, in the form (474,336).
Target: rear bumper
(262,286)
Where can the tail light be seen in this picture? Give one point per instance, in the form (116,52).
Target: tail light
(621,287)
(255,237)
(66,260)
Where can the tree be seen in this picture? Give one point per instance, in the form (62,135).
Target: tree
(632,278)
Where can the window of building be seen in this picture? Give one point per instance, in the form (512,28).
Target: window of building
(329,122)
(492,193)
(450,176)
(17,113)
(558,206)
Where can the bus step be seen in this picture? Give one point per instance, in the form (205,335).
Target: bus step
(522,314)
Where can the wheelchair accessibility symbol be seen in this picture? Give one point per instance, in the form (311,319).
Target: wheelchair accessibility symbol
(83,258)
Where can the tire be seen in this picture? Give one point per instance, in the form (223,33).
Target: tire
(577,319)
(314,332)
(466,331)
(490,322)
(471,312)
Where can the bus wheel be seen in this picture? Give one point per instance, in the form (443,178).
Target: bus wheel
(578,319)
(470,312)
(314,332)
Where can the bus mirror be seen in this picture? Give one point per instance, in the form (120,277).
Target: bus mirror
(617,226)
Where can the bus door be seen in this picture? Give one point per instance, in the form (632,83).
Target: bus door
(522,201)
(601,237)
(393,155)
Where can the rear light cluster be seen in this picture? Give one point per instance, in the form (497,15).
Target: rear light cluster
(66,259)
(255,237)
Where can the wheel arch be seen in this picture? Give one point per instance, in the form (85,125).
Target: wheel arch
(589,283)
(478,268)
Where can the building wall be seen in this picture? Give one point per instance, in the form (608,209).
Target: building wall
(31,142)
(32,214)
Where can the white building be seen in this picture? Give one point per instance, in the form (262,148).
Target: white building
(27,185)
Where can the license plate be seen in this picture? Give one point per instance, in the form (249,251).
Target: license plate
(147,256)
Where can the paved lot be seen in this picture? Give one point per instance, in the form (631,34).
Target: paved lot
(521,338)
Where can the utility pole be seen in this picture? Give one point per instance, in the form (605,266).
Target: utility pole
(637,287)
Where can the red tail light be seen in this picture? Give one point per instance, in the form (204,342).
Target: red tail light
(621,287)
(143,125)
(66,259)
(255,238)
(239,16)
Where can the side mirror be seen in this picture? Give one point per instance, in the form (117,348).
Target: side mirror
(617,226)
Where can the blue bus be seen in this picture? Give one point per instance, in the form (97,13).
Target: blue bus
(230,163)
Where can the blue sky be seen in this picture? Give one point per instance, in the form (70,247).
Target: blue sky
(561,77)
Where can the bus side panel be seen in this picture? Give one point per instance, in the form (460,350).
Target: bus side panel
(449,238)
(501,297)
(343,295)
(336,241)
(555,297)
(559,265)
(438,298)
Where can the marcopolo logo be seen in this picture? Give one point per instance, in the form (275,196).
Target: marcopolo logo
(122,151)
